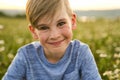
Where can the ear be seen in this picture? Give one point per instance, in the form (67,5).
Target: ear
(33,31)
(74,21)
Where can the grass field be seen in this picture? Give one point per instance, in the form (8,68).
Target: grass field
(102,35)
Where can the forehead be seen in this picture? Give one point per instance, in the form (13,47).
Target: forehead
(49,19)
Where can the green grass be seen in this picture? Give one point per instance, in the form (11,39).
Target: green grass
(102,35)
(13,35)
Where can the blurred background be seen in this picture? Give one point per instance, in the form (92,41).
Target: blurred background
(98,24)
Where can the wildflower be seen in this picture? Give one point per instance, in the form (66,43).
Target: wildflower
(1,27)
(2,41)
(10,55)
(103,55)
(116,71)
(117,49)
(2,48)
(108,73)
(117,55)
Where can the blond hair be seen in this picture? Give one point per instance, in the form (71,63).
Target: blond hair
(37,9)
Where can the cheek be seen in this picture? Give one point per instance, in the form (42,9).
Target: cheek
(67,32)
(42,37)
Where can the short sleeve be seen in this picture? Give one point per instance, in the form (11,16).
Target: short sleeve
(89,70)
(16,70)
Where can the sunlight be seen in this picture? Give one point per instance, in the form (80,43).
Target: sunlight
(95,4)
(14,4)
(76,4)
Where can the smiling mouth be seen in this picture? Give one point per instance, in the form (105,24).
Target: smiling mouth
(56,43)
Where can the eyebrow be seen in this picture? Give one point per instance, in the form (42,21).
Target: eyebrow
(63,19)
(40,25)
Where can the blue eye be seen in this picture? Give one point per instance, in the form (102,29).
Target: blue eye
(61,23)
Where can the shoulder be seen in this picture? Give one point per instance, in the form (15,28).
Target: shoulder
(27,51)
(82,49)
(79,44)
(34,44)
(30,46)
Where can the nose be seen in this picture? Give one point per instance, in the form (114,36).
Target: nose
(54,33)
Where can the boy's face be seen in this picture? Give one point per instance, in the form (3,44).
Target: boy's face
(55,35)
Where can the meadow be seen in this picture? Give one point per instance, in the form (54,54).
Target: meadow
(102,35)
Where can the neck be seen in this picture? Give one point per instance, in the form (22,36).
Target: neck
(54,57)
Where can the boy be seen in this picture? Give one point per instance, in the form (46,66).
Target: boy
(55,56)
